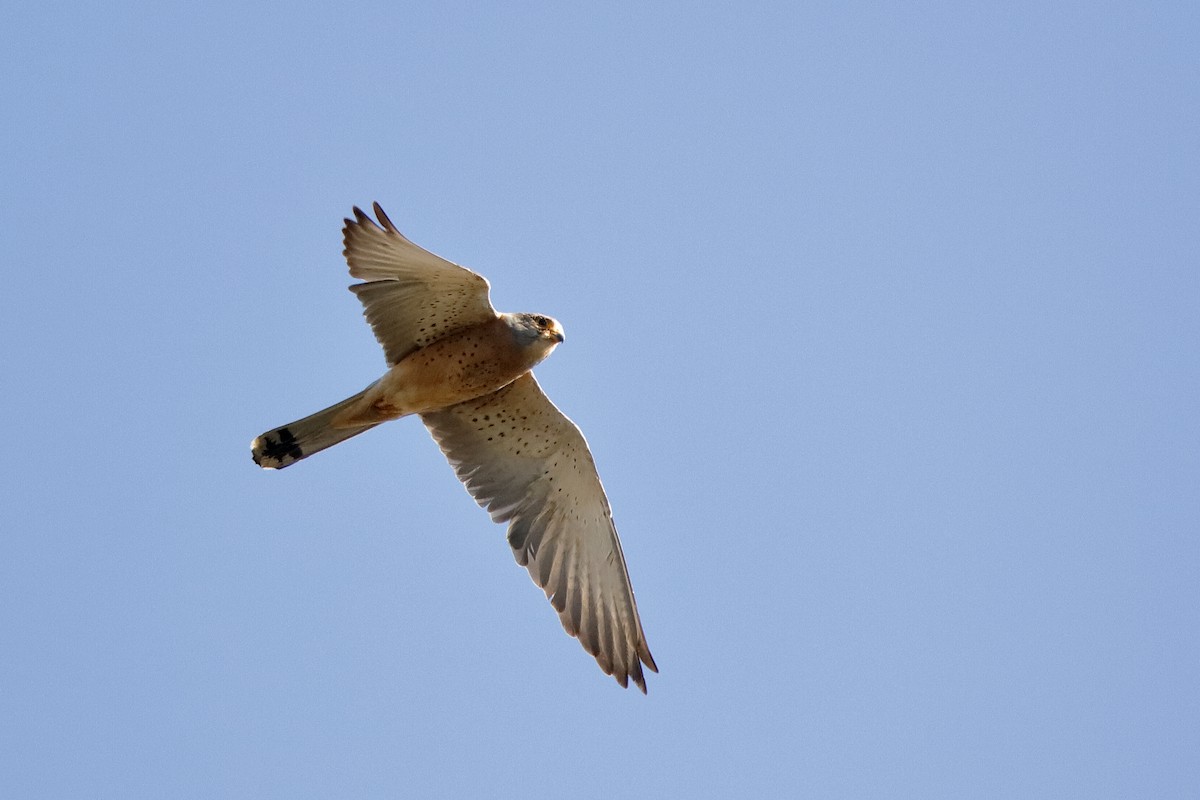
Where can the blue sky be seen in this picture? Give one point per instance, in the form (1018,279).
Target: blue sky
(882,323)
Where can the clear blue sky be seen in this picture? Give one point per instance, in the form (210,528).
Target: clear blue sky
(882,322)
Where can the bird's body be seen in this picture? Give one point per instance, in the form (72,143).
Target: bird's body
(465,369)
(462,366)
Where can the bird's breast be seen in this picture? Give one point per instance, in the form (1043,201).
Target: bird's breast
(457,368)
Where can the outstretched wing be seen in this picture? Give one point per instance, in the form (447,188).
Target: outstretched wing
(411,297)
(529,465)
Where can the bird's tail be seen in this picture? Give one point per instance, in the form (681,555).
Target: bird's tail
(289,443)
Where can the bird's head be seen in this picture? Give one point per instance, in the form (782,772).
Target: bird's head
(536,331)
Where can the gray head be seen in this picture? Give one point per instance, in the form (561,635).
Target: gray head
(535,331)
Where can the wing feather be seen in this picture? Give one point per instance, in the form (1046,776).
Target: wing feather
(528,465)
(411,297)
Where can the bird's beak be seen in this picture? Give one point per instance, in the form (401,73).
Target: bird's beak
(557,333)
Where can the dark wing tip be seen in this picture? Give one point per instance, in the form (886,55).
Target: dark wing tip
(639,680)
(362,218)
(387,224)
(644,655)
(350,229)
(634,670)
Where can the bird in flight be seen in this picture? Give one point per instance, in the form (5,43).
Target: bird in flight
(465,369)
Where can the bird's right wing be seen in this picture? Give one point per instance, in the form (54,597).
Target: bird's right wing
(529,465)
(411,297)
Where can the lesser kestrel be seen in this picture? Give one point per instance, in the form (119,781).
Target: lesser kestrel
(465,369)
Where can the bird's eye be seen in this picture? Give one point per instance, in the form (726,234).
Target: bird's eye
(542,322)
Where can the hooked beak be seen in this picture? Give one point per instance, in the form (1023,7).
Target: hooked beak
(557,333)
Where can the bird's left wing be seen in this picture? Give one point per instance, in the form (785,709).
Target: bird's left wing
(529,465)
